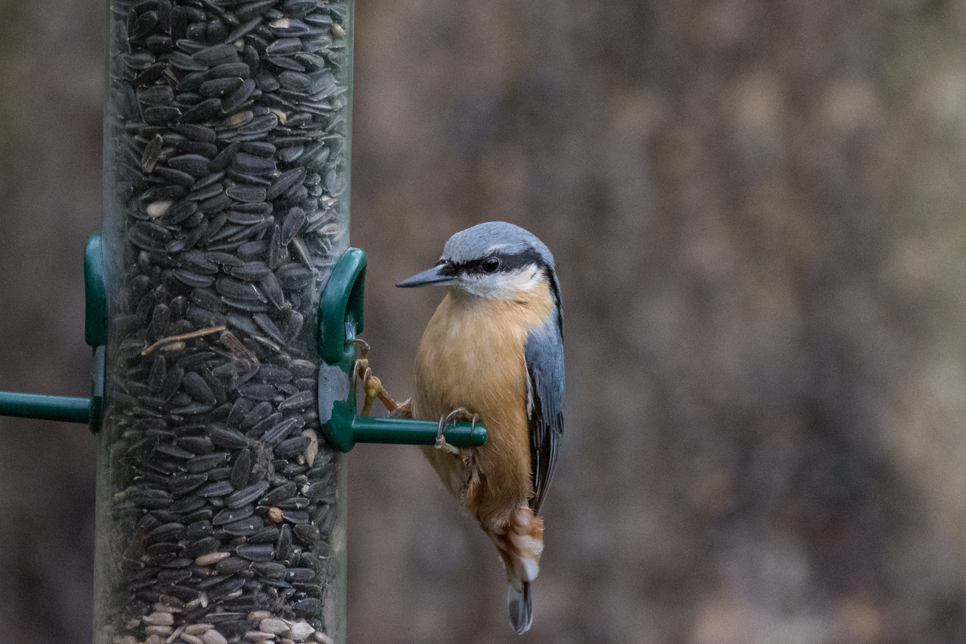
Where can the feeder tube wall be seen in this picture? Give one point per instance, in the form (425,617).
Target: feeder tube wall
(221,510)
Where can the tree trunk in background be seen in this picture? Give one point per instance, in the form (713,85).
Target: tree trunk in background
(757,211)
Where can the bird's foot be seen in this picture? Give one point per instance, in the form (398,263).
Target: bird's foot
(457,414)
(404,410)
(370,383)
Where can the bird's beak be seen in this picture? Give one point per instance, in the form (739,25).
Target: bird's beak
(432,276)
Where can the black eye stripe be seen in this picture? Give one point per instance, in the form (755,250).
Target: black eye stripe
(508,263)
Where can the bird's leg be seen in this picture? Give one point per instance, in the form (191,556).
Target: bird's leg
(371,384)
(460,413)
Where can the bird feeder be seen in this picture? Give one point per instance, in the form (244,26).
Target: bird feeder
(222,302)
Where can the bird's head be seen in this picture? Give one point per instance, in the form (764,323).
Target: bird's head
(493,260)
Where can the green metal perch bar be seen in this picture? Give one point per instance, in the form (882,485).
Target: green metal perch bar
(58,408)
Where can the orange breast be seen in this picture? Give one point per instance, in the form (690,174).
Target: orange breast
(471,355)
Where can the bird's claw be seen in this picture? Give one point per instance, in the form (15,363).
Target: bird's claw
(445,419)
(371,384)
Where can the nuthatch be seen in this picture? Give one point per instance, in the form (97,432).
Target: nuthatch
(494,350)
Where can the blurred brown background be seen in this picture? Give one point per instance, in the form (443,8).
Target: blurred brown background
(758,210)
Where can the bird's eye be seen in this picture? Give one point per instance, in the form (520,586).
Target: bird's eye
(490,265)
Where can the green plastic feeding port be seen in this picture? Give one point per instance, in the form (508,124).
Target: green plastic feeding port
(69,408)
(340,320)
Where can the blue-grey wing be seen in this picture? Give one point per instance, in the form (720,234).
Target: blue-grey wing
(545,403)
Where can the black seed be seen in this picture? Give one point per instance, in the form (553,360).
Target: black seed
(293,224)
(172,382)
(244,527)
(193,164)
(252,164)
(157,374)
(246,193)
(294,276)
(278,432)
(267,534)
(206,150)
(256,414)
(296,516)
(266,81)
(197,388)
(291,324)
(256,551)
(228,70)
(203,111)
(280,493)
(274,374)
(295,81)
(226,437)
(317,490)
(257,391)
(228,515)
(300,575)
(179,212)
(262,427)
(191,82)
(205,462)
(196,261)
(238,96)
(232,565)
(151,498)
(219,474)
(293,503)
(163,548)
(190,507)
(173,576)
(251,271)
(196,444)
(285,182)
(301,400)
(253,9)
(270,570)
(198,529)
(259,124)
(289,448)
(246,495)
(165,532)
(216,55)
(260,148)
(180,60)
(203,546)
(242,469)
(217,87)
(183,483)
(216,489)
(174,451)
(143,25)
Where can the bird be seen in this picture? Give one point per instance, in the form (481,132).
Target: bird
(493,351)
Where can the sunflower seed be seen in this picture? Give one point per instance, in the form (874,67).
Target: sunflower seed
(246,495)
(226,436)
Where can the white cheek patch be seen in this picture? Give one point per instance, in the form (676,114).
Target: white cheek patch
(502,286)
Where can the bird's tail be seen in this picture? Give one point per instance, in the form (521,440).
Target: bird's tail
(520,544)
